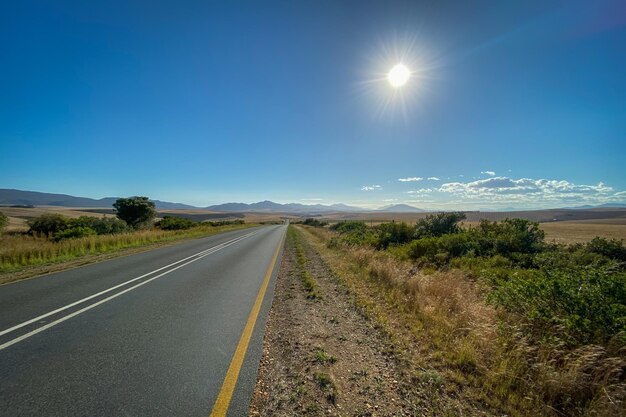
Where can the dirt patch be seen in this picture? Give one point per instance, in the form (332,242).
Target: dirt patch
(321,356)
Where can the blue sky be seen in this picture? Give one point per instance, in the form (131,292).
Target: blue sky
(510,104)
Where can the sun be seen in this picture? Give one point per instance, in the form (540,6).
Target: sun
(398,75)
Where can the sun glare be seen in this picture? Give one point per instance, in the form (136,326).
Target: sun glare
(398,75)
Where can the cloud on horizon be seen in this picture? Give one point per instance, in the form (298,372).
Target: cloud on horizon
(528,191)
(410,179)
(371,187)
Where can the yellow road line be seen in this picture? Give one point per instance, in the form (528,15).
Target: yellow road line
(228,387)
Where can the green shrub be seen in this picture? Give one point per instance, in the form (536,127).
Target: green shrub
(4,221)
(349,226)
(438,224)
(436,250)
(355,233)
(577,306)
(101,225)
(74,232)
(565,257)
(424,250)
(393,234)
(224,222)
(314,222)
(613,249)
(508,237)
(367,237)
(48,224)
(175,223)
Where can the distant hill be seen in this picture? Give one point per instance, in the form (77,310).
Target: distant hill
(605,205)
(401,208)
(270,206)
(15,197)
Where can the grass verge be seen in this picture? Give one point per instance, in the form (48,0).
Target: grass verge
(458,349)
(23,256)
(310,286)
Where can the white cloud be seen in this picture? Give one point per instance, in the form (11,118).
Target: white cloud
(390,200)
(528,191)
(421,191)
(371,188)
(410,179)
(433,179)
(490,173)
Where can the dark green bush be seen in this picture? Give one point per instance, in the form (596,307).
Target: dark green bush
(565,257)
(438,250)
(366,237)
(393,234)
(224,222)
(438,224)
(48,224)
(175,223)
(101,225)
(349,226)
(578,306)
(508,236)
(355,233)
(424,249)
(74,232)
(613,249)
(314,222)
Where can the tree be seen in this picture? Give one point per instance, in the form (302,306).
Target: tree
(137,212)
(4,220)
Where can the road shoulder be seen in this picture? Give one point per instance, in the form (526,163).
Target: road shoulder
(321,355)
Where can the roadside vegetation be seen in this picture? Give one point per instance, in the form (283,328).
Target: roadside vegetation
(308,282)
(4,221)
(54,238)
(497,315)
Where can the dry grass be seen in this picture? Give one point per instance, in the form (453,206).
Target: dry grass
(18,216)
(447,333)
(607,215)
(579,232)
(19,252)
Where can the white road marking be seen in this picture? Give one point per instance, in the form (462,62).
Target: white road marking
(197,256)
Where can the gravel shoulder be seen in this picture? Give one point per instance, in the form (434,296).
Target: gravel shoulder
(321,355)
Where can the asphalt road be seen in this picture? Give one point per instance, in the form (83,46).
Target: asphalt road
(152,334)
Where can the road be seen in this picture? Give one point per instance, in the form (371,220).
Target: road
(161,333)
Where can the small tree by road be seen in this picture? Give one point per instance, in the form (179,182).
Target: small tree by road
(137,212)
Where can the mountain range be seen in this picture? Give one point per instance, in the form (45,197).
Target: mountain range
(11,197)
(34,198)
